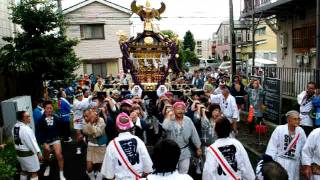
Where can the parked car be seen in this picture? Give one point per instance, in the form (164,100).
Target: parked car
(204,63)
(226,66)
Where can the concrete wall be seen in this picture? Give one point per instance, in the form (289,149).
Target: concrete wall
(206,49)
(287,58)
(6,27)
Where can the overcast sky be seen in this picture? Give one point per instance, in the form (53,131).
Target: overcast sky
(201,17)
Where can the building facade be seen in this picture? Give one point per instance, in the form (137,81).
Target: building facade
(203,48)
(294,22)
(6,26)
(222,41)
(265,41)
(95,23)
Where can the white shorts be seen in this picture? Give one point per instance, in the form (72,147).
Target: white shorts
(78,124)
(54,142)
(30,163)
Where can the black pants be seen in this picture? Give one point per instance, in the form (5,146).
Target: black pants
(66,131)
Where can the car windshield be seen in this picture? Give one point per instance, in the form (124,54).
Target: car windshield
(225,64)
(210,61)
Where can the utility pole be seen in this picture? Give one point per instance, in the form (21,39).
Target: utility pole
(318,43)
(233,40)
(59,6)
(253,39)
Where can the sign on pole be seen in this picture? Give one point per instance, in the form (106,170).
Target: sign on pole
(272,100)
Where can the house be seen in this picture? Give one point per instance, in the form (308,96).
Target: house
(294,22)
(6,26)
(203,48)
(222,39)
(95,24)
(265,41)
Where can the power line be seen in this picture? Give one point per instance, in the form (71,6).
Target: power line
(162,17)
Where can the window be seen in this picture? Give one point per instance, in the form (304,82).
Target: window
(266,56)
(274,56)
(199,51)
(99,69)
(220,41)
(304,37)
(265,1)
(226,40)
(92,31)
(199,43)
(249,37)
(239,37)
(261,31)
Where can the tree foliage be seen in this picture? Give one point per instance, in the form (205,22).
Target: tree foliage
(170,34)
(8,162)
(174,37)
(41,48)
(188,54)
(188,41)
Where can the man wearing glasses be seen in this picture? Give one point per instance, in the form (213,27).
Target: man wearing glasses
(228,107)
(27,149)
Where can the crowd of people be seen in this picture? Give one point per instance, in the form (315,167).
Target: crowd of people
(132,134)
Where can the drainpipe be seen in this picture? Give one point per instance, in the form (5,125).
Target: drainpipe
(318,43)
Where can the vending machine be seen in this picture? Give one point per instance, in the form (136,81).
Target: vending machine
(9,110)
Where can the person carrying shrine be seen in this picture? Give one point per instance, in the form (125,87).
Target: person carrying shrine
(181,129)
(226,157)
(126,156)
(311,156)
(286,143)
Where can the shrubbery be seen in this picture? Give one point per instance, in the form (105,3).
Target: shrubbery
(8,162)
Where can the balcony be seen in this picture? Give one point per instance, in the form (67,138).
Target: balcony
(257,4)
(266,8)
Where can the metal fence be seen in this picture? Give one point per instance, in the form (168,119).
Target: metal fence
(293,80)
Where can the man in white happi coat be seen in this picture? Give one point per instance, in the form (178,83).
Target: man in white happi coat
(27,149)
(311,156)
(226,158)
(305,102)
(228,107)
(79,105)
(126,156)
(286,143)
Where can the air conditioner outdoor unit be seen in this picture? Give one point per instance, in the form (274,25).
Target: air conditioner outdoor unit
(283,40)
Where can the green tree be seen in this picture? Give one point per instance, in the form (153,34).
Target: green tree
(188,41)
(41,51)
(170,34)
(188,54)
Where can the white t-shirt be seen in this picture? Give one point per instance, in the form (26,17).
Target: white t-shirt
(78,109)
(228,106)
(169,176)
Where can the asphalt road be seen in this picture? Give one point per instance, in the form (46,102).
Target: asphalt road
(74,165)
